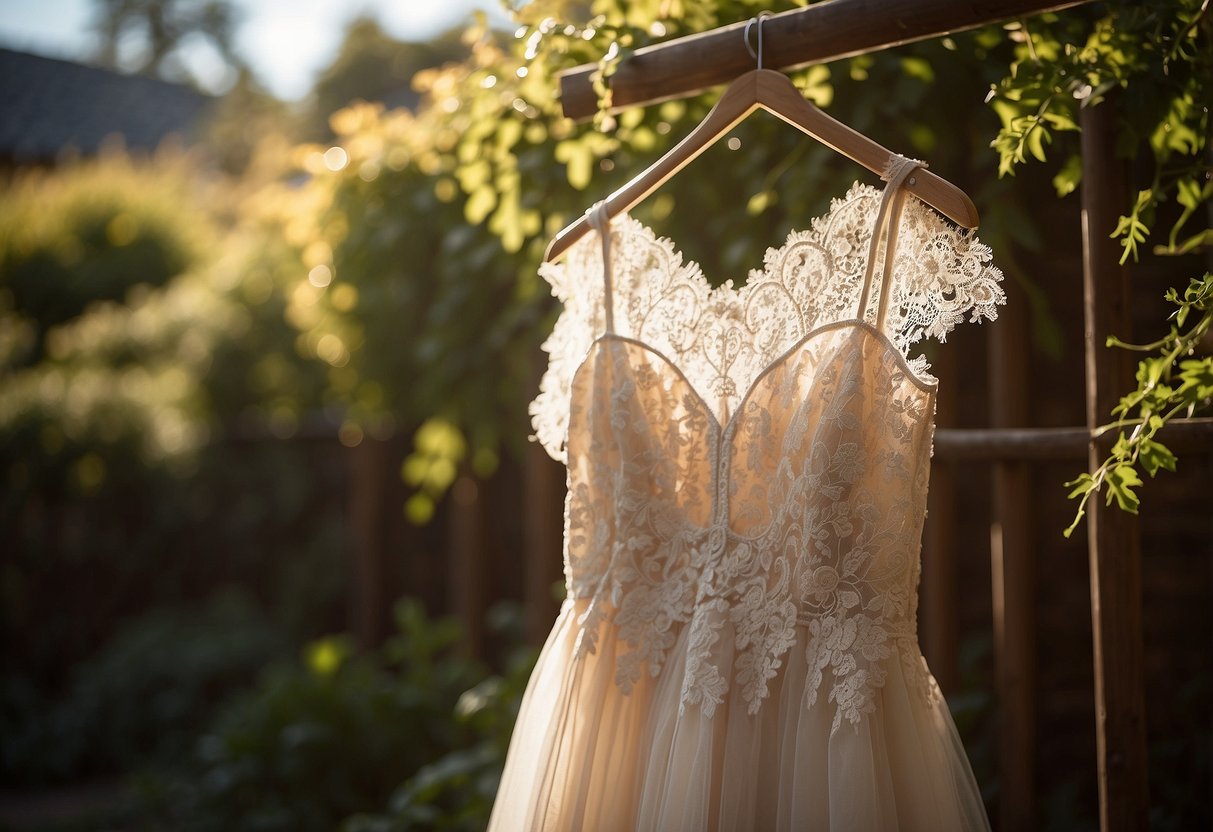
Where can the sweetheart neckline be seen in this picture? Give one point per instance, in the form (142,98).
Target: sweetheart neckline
(727,426)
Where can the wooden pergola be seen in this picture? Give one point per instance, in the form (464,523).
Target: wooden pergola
(841,28)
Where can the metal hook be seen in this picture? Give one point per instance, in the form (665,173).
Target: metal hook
(761,16)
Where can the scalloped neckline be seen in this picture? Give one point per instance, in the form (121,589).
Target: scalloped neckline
(736,293)
(734,297)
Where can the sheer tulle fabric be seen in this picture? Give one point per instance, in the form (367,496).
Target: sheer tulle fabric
(747,479)
(586,756)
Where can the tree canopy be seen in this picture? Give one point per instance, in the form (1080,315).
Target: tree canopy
(146,36)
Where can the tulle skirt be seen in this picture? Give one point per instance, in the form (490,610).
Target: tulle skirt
(586,756)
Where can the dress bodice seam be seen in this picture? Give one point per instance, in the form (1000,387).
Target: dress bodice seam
(721,448)
(928,386)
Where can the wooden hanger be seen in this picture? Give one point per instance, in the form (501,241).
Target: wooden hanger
(775,93)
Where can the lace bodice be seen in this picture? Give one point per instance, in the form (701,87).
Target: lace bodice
(752,463)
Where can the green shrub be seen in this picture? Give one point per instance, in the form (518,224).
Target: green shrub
(144,696)
(92,231)
(455,792)
(333,736)
(125,459)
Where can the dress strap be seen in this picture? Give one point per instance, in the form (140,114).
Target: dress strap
(887,222)
(600,222)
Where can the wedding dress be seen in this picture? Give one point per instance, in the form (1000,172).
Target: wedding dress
(747,481)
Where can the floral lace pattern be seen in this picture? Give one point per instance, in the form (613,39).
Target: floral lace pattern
(721,338)
(747,468)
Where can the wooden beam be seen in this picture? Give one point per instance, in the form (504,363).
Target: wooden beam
(543,490)
(986,445)
(367,603)
(951,444)
(1113,543)
(816,34)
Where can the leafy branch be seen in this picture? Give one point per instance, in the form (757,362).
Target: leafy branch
(1158,59)
(1169,384)
(1158,56)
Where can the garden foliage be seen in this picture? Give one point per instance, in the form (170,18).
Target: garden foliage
(143,697)
(414,730)
(158,318)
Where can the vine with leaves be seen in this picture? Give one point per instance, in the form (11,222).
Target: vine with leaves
(1157,59)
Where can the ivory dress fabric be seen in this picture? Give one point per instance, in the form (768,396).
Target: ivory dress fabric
(747,482)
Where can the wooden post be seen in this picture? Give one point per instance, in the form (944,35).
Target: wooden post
(466,579)
(1011,572)
(368,468)
(542,535)
(941,629)
(1114,546)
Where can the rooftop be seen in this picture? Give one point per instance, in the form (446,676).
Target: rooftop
(47,105)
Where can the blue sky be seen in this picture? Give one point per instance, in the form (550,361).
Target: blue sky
(286,42)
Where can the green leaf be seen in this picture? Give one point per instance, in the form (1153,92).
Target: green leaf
(1155,455)
(1035,141)
(579,161)
(758,203)
(1132,228)
(1081,485)
(419,508)
(508,133)
(1150,371)
(1188,193)
(1195,379)
(1121,479)
(479,204)
(816,85)
(474,174)
(919,68)
(1123,448)
(1005,110)
(1060,120)
(1068,178)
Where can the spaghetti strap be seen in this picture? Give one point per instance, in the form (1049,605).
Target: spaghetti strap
(599,221)
(887,223)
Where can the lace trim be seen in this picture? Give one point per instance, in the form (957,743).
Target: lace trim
(722,338)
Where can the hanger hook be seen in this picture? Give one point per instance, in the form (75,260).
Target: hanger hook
(761,16)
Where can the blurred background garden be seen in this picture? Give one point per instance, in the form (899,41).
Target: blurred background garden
(275,550)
